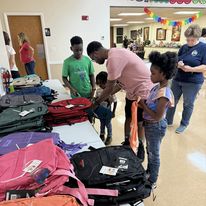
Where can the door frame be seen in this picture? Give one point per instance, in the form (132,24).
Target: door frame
(42,27)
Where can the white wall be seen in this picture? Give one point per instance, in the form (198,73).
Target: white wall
(63,17)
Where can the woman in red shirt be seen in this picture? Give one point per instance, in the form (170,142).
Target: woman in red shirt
(26,53)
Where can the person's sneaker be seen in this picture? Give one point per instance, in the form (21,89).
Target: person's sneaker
(108,141)
(153,185)
(102,137)
(180,129)
(126,142)
(141,151)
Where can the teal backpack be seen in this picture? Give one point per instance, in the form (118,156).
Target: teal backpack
(23,118)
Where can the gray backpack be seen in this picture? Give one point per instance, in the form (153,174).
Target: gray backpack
(23,118)
(15,101)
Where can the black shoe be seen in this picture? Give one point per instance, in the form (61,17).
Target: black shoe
(102,137)
(141,151)
(108,141)
(126,142)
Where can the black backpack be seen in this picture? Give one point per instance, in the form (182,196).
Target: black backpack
(130,179)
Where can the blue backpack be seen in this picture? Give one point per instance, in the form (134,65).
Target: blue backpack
(46,93)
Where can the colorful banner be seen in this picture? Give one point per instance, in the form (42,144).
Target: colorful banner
(172,23)
(174,1)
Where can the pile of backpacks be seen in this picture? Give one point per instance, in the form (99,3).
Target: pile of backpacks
(30,108)
(38,168)
(35,165)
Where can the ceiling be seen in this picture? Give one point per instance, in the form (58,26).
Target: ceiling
(162,12)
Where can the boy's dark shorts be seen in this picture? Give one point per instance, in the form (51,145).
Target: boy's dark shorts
(128,112)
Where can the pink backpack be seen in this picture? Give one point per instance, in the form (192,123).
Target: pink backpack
(27,167)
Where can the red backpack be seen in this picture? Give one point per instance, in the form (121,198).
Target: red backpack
(68,111)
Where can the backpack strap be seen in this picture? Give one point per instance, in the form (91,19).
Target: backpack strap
(105,192)
(75,192)
(134,127)
(82,193)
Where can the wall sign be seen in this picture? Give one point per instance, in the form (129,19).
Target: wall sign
(47,32)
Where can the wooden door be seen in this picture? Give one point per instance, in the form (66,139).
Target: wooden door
(31,26)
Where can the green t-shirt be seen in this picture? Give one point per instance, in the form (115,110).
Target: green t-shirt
(78,72)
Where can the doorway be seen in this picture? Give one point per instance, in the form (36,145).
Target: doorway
(32,27)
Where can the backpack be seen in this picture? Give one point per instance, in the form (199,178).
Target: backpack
(60,200)
(114,167)
(22,118)
(46,93)
(15,101)
(27,81)
(19,140)
(67,111)
(43,167)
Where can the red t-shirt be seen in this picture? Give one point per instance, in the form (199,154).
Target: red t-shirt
(25,53)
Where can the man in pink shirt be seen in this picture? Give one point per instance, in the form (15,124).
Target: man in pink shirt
(125,71)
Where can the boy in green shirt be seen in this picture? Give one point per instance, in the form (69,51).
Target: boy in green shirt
(78,71)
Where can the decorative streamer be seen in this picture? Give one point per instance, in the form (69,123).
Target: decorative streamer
(172,23)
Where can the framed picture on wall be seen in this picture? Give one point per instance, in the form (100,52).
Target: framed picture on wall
(176,33)
(161,34)
(146,33)
(134,34)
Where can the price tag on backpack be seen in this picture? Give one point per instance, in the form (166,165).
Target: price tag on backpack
(69,106)
(109,171)
(25,112)
(32,166)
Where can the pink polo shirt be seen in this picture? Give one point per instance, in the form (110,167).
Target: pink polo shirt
(25,53)
(131,73)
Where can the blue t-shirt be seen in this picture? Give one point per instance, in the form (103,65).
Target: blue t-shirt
(155,94)
(191,56)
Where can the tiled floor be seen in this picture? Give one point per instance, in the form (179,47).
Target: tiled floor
(182,179)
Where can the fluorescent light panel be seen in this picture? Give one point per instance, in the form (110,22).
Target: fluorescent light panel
(131,14)
(115,19)
(185,12)
(120,25)
(135,22)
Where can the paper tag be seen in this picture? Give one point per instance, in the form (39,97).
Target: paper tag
(69,106)
(32,166)
(108,170)
(25,112)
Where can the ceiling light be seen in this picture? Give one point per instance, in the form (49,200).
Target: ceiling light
(135,22)
(131,14)
(115,19)
(148,18)
(120,25)
(185,12)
